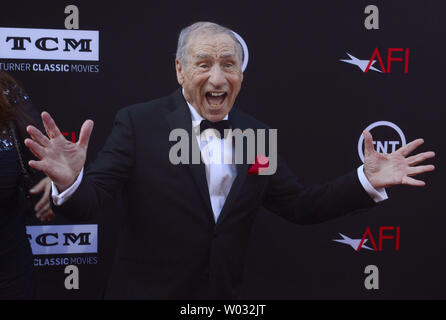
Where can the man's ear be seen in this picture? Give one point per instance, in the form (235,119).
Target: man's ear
(180,75)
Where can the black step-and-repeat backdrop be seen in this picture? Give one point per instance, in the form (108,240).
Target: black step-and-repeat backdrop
(319,71)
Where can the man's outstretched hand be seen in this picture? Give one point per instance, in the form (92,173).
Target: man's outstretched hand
(60,159)
(386,170)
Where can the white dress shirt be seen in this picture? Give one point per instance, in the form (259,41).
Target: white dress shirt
(220,172)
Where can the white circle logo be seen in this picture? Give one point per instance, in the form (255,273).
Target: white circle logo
(245,50)
(380,146)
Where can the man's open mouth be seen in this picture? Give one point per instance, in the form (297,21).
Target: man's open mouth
(215,98)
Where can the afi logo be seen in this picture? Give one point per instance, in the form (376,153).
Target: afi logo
(384,233)
(394,235)
(400,55)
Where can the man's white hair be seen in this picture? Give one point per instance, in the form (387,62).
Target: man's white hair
(202,27)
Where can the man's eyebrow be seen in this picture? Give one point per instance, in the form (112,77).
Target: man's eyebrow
(203,56)
(227,55)
(206,56)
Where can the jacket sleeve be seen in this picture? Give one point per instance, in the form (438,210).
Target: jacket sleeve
(307,205)
(106,175)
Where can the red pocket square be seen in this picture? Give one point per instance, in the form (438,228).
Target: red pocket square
(261,162)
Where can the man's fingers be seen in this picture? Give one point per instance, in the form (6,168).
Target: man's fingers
(48,186)
(42,203)
(39,187)
(38,136)
(413,182)
(85,133)
(38,165)
(368,143)
(45,186)
(44,208)
(411,146)
(50,126)
(412,171)
(35,148)
(418,158)
(45,212)
(47,216)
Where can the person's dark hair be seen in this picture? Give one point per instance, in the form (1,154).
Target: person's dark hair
(7,111)
(17,112)
(14,103)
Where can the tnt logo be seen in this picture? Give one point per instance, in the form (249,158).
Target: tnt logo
(387,136)
(368,240)
(399,55)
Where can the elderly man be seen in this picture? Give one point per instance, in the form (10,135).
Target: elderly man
(187,226)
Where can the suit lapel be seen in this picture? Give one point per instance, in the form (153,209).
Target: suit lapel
(180,117)
(242,169)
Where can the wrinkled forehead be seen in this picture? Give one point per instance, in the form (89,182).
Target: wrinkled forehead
(210,45)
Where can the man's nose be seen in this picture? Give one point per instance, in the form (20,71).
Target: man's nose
(217,77)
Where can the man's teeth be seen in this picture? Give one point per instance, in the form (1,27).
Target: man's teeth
(216,94)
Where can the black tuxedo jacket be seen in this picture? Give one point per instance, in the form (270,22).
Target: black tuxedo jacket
(169,246)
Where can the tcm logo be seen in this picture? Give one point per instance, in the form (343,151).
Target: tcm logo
(400,55)
(387,138)
(63,239)
(384,233)
(49,44)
